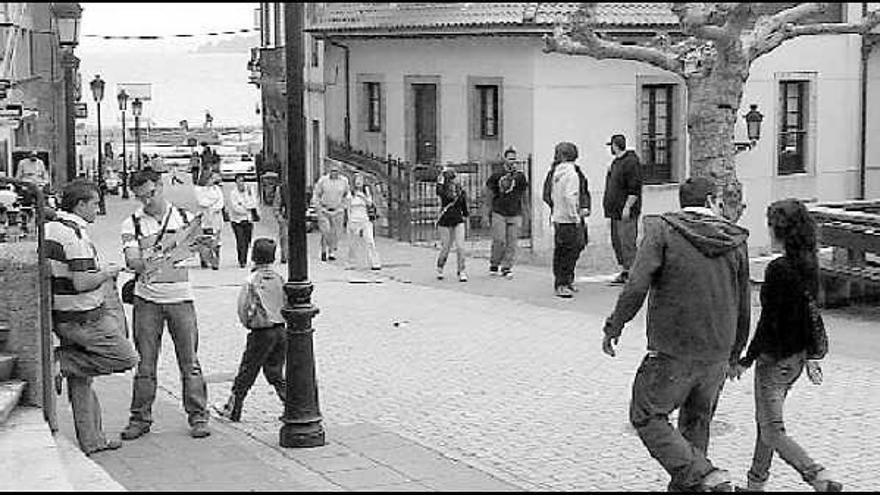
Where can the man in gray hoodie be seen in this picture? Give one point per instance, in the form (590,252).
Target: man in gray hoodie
(695,265)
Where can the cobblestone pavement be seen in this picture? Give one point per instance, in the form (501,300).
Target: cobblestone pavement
(518,388)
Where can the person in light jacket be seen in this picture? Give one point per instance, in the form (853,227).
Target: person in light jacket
(566,215)
(241,201)
(360,227)
(209,198)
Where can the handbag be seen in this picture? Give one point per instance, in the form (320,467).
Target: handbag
(128,290)
(255,215)
(818,345)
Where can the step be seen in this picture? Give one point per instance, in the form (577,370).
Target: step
(7,365)
(29,456)
(10,392)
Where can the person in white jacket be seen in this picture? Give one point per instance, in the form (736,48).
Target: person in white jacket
(360,227)
(241,201)
(209,198)
(568,237)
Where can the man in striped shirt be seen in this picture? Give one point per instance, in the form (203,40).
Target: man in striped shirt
(92,341)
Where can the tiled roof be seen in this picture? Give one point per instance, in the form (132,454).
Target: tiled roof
(409,16)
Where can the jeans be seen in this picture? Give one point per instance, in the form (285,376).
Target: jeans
(330,225)
(663,384)
(623,240)
(149,320)
(568,242)
(266,349)
(360,236)
(448,237)
(243,231)
(773,380)
(505,236)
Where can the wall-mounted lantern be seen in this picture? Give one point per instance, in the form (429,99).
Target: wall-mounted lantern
(68,16)
(753,129)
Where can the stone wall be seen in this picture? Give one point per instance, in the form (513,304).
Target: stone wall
(20,311)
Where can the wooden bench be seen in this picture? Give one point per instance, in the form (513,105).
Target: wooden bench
(852,272)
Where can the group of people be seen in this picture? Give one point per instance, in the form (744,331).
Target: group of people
(91,326)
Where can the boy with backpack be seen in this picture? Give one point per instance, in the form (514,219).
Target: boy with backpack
(259,309)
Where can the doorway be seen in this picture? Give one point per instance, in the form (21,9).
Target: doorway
(422,119)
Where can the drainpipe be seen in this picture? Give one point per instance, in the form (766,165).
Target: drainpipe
(863,124)
(347,91)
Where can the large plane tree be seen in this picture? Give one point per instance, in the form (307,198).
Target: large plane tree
(722,41)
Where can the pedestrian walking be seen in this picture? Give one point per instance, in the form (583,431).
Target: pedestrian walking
(330,197)
(452,222)
(567,187)
(506,190)
(209,199)
(260,300)
(93,342)
(164,299)
(695,264)
(785,344)
(242,205)
(360,225)
(623,203)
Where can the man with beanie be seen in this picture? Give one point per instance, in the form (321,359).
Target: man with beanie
(695,265)
(623,203)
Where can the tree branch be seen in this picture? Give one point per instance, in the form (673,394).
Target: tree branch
(583,41)
(703,19)
(758,46)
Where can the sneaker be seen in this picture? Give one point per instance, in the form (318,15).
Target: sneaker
(462,277)
(718,480)
(507,273)
(331,257)
(376,268)
(563,291)
(439,273)
(199,430)
(134,430)
(824,483)
(572,288)
(621,278)
(493,270)
(110,445)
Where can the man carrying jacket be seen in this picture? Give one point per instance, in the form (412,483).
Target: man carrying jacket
(695,265)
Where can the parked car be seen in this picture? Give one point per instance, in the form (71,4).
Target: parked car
(241,163)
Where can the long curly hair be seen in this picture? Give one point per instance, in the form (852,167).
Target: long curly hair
(792,225)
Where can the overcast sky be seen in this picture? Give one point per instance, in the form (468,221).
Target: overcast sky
(132,19)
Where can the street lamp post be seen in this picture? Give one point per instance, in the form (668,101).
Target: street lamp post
(97,86)
(137,106)
(302,416)
(122,98)
(68,15)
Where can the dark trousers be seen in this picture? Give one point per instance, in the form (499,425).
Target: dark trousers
(623,240)
(243,231)
(568,242)
(266,349)
(663,384)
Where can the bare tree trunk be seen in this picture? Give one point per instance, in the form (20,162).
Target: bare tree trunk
(713,101)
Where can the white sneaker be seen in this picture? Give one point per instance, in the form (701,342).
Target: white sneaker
(439,273)
(462,277)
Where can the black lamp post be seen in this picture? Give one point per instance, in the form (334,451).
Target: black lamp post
(122,98)
(68,15)
(302,416)
(97,86)
(137,107)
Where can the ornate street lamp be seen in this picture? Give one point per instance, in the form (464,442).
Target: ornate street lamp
(137,107)
(302,416)
(67,18)
(97,86)
(753,129)
(68,15)
(122,98)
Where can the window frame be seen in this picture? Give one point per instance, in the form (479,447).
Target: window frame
(653,172)
(484,119)
(798,131)
(808,127)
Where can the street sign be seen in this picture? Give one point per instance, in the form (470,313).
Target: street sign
(11,111)
(80,110)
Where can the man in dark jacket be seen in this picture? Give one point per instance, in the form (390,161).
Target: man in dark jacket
(695,264)
(623,203)
(506,190)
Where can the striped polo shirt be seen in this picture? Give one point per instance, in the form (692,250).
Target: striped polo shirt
(69,250)
(169,285)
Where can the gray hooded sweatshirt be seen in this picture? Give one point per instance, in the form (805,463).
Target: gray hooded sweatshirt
(694,268)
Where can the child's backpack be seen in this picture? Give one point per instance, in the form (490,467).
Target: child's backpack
(251,313)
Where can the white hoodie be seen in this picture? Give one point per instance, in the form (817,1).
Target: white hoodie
(565,193)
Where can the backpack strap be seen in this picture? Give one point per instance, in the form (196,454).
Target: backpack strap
(137,226)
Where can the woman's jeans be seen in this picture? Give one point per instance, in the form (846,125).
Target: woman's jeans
(243,231)
(360,239)
(448,237)
(773,380)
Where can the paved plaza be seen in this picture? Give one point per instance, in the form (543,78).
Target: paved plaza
(500,376)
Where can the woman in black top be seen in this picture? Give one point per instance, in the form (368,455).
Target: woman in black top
(783,344)
(453,211)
